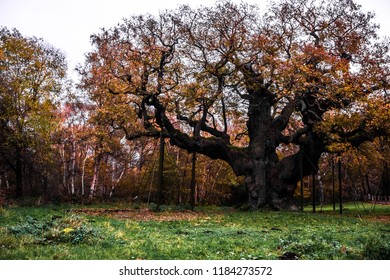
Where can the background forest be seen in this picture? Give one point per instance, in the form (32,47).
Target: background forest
(57,142)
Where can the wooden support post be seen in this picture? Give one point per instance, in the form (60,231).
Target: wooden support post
(340,185)
(160,178)
(301,174)
(314,192)
(193,181)
(333,186)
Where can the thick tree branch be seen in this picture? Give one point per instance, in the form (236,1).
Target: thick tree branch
(216,148)
(359,135)
(225,125)
(202,124)
(281,121)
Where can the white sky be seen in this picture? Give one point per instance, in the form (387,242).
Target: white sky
(68,24)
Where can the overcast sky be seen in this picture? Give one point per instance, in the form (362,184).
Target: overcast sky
(68,24)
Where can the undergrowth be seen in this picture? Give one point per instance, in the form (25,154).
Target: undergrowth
(56,229)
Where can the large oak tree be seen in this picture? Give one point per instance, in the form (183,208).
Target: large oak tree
(236,83)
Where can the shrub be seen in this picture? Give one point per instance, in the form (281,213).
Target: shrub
(9,242)
(56,229)
(312,246)
(377,249)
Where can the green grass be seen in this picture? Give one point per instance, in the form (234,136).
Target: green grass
(52,232)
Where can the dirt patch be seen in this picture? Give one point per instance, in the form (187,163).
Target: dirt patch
(144,214)
(378,218)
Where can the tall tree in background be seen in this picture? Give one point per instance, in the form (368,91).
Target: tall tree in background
(105,114)
(31,77)
(233,84)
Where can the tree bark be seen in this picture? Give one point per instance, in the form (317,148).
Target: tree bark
(160,178)
(83,174)
(95,177)
(19,175)
(385,184)
(73,167)
(193,181)
(64,167)
(115,182)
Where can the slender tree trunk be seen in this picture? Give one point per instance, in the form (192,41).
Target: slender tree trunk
(64,167)
(333,186)
(115,182)
(179,182)
(301,177)
(141,157)
(363,185)
(6,180)
(160,178)
(385,181)
(73,168)
(183,177)
(83,175)
(19,174)
(314,191)
(193,181)
(45,184)
(95,177)
(368,184)
(340,185)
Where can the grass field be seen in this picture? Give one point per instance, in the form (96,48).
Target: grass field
(121,232)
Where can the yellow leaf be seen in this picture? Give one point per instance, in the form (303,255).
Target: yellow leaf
(67,230)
